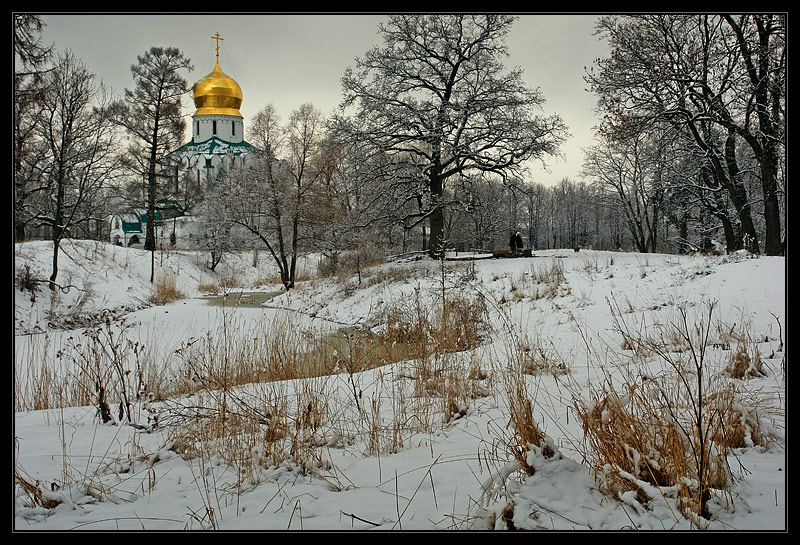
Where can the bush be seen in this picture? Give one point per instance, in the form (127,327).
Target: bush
(27,281)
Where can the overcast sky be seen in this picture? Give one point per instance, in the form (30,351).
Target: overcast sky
(288,60)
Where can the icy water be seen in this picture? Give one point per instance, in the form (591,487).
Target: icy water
(240,298)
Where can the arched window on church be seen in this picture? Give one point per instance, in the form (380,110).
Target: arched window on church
(214,128)
(233,128)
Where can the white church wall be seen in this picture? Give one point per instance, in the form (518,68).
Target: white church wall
(227,127)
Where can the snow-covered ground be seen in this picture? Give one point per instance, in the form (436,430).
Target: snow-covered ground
(450,473)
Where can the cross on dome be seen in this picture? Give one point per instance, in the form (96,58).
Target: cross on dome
(218,38)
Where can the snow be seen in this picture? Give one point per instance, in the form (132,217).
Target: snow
(452,473)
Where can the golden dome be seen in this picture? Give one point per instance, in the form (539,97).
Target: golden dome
(217,93)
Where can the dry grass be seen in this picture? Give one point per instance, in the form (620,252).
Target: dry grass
(25,279)
(230,280)
(38,375)
(525,436)
(642,442)
(360,262)
(235,354)
(745,362)
(208,287)
(552,274)
(247,410)
(267,280)
(668,432)
(102,362)
(632,445)
(231,355)
(34,491)
(458,323)
(100,366)
(535,359)
(166,290)
(254,429)
(739,415)
(526,432)
(541,281)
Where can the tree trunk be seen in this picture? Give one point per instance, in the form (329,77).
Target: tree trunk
(738,195)
(150,236)
(653,235)
(436,218)
(19,231)
(436,244)
(719,210)
(772,217)
(768,135)
(54,274)
(58,227)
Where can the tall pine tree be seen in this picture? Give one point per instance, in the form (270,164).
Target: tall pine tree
(151,113)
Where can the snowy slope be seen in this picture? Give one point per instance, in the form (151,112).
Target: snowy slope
(456,474)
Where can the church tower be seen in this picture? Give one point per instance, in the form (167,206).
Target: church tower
(217,98)
(217,126)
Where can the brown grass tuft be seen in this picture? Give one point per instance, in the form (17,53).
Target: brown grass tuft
(745,363)
(166,290)
(208,287)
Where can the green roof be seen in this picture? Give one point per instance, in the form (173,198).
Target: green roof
(165,209)
(213,146)
(131,223)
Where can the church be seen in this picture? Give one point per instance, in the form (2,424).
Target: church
(217,125)
(217,145)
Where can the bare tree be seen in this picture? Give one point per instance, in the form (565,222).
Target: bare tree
(686,71)
(213,234)
(535,195)
(152,115)
(30,61)
(761,40)
(626,169)
(78,138)
(270,198)
(334,221)
(436,102)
